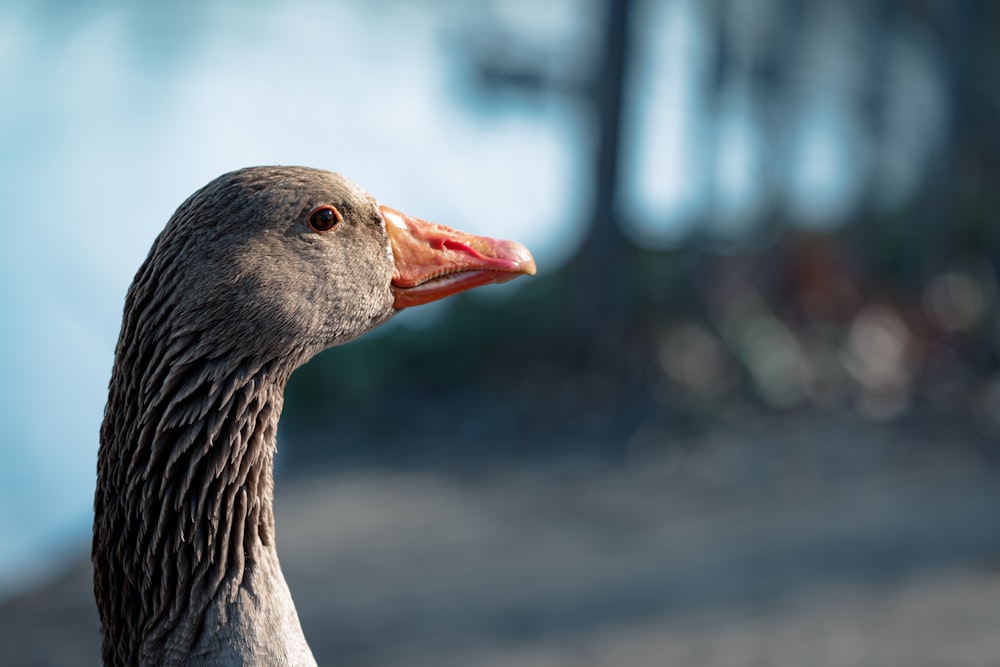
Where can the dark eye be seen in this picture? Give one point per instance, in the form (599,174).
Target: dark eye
(324,218)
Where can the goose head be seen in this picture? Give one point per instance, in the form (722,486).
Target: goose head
(294,260)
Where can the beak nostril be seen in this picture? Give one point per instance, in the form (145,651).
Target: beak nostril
(459,247)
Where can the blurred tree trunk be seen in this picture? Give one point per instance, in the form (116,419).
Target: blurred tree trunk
(877,25)
(931,236)
(602,272)
(771,70)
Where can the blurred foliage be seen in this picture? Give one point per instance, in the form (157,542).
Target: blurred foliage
(791,327)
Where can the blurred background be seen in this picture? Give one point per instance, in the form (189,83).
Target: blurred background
(747,413)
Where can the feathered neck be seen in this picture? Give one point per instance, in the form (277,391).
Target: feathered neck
(185,563)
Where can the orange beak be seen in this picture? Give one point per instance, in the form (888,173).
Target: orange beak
(434,261)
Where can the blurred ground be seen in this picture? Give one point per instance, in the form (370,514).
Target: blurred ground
(812,539)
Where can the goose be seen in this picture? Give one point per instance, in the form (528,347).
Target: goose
(253,274)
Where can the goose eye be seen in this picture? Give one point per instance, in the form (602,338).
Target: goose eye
(324,218)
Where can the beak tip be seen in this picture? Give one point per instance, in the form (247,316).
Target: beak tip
(521,255)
